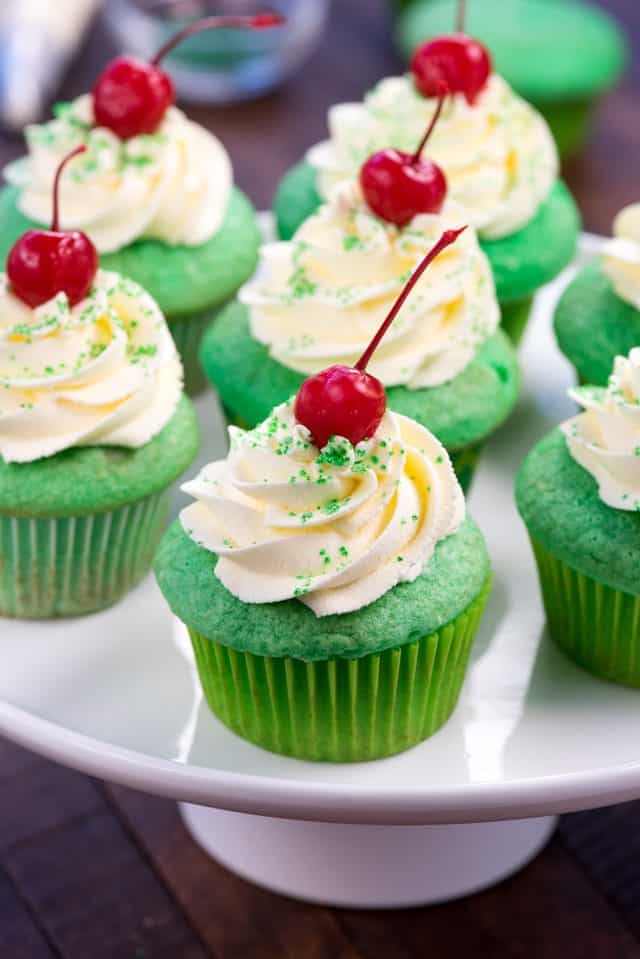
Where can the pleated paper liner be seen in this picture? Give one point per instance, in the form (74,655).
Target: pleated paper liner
(80,564)
(341,710)
(596,626)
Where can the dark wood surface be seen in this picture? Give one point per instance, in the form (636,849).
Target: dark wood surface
(93,871)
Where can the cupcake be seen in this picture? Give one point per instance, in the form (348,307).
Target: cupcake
(559,56)
(497,153)
(94,429)
(328,576)
(578,493)
(154,192)
(598,315)
(319,299)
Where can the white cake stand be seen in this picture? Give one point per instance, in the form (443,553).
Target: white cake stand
(115,695)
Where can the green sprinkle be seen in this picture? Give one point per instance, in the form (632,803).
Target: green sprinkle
(352,243)
(138,161)
(335,453)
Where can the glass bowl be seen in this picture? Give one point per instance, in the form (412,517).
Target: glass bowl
(226,65)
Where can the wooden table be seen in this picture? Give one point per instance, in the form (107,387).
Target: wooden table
(92,871)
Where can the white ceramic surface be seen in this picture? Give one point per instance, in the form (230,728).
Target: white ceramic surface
(116,695)
(370,867)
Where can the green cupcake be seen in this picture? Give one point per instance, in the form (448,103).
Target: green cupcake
(94,431)
(332,596)
(578,493)
(501,166)
(319,300)
(160,207)
(598,316)
(560,56)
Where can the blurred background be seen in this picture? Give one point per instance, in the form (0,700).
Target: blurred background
(266,94)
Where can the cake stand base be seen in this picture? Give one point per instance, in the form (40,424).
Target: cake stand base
(370,867)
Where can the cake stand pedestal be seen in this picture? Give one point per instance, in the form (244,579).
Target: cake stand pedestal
(367,867)
(116,695)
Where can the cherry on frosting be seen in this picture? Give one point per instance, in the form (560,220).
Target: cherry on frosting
(397,186)
(457,61)
(43,263)
(131,96)
(348,401)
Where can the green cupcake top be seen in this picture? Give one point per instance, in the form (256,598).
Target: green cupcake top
(593,324)
(297,512)
(98,479)
(461,412)
(559,503)
(455,576)
(319,299)
(182,279)
(548,50)
(535,255)
(172,184)
(521,263)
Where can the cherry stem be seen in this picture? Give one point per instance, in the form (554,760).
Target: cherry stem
(55,221)
(447,238)
(261,21)
(436,116)
(461,17)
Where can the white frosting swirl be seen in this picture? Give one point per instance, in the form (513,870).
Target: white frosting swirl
(319,299)
(605,439)
(173,185)
(336,529)
(498,154)
(621,260)
(104,373)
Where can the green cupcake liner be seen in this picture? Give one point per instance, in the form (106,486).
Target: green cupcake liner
(79,564)
(514,318)
(187,332)
(596,626)
(341,710)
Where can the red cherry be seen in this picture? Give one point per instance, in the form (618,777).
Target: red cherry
(397,186)
(459,62)
(131,96)
(341,401)
(45,262)
(348,401)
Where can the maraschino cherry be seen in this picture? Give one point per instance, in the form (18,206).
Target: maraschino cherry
(348,401)
(457,61)
(397,186)
(45,262)
(131,96)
